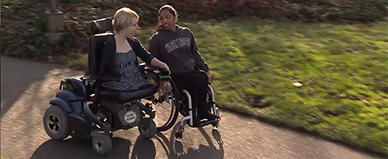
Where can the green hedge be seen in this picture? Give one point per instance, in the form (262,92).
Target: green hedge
(23,21)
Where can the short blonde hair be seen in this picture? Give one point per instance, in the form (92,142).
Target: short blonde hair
(123,18)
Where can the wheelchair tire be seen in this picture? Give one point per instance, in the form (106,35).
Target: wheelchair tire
(174,111)
(56,123)
(102,143)
(147,128)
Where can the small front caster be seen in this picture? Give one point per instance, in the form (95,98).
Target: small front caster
(216,123)
(102,143)
(147,128)
(179,133)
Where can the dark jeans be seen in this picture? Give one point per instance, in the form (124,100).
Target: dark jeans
(195,82)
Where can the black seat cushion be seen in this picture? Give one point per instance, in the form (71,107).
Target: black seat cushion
(123,97)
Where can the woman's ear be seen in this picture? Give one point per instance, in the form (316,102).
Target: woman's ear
(176,18)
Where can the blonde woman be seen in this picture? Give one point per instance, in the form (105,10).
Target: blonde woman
(120,54)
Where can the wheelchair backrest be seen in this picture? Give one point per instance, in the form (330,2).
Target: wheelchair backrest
(96,47)
(96,43)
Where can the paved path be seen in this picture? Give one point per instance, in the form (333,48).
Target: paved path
(27,87)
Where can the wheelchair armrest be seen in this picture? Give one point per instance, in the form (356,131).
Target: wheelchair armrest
(153,69)
(203,71)
(143,65)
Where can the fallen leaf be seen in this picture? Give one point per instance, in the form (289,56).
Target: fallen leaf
(297,84)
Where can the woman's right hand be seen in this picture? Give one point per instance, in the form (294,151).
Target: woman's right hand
(160,64)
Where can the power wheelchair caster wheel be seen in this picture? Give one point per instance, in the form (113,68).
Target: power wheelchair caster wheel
(147,128)
(179,133)
(102,143)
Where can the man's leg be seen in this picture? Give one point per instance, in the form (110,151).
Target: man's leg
(201,85)
(185,81)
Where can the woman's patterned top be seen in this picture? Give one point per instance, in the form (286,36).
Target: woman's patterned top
(130,74)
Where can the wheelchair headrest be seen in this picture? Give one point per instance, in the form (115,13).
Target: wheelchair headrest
(101,25)
(96,47)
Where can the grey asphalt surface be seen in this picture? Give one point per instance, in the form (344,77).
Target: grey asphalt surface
(27,87)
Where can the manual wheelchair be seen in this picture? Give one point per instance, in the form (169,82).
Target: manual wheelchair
(186,110)
(84,110)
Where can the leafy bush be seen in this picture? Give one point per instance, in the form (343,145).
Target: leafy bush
(342,67)
(23,21)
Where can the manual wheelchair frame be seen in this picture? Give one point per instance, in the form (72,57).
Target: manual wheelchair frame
(186,111)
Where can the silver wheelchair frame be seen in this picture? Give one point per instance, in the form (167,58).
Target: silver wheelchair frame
(189,118)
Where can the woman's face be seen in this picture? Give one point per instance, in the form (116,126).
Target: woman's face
(130,30)
(167,20)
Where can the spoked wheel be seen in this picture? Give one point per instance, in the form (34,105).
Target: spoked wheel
(56,123)
(167,112)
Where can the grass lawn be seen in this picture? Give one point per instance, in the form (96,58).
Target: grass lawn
(342,68)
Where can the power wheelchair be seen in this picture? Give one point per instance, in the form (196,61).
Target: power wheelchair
(84,110)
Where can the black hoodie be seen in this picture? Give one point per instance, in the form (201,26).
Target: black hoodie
(177,49)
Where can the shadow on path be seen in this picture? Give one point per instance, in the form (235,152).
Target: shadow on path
(78,149)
